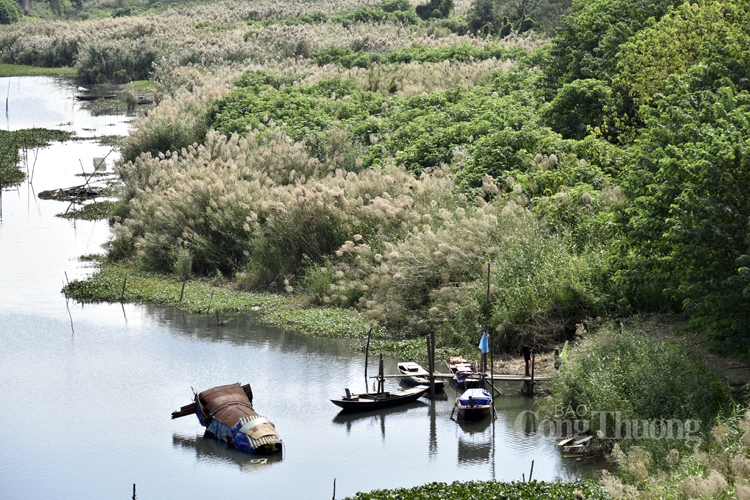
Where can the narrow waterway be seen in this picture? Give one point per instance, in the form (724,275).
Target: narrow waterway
(88,390)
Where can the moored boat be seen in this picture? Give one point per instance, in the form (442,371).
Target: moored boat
(474,404)
(414,374)
(378,400)
(464,373)
(227,414)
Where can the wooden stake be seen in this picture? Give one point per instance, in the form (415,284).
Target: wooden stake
(334,488)
(367,355)
(210,301)
(134,497)
(122,294)
(532,470)
(187,268)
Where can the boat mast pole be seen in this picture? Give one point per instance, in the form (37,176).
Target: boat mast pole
(487,328)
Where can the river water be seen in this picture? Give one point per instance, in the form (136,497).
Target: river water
(87,391)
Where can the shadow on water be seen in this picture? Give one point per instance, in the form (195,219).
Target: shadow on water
(207,449)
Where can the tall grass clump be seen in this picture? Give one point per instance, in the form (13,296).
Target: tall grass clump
(717,468)
(180,118)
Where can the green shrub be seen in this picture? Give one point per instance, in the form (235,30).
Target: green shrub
(9,12)
(578,108)
(643,378)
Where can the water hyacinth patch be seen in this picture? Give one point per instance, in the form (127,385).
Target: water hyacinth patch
(536,490)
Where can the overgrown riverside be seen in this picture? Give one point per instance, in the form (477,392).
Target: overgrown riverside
(364,162)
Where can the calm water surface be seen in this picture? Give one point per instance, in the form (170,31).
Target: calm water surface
(86,407)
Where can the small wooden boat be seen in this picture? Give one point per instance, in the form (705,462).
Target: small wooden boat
(378,400)
(474,404)
(414,374)
(464,373)
(93,97)
(227,414)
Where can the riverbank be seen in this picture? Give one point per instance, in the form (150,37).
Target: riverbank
(23,70)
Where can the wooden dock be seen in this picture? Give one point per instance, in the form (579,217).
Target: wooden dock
(497,377)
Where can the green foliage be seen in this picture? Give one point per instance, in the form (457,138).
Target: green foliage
(350,58)
(536,490)
(687,226)
(578,108)
(642,377)
(399,11)
(486,17)
(9,12)
(587,43)
(435,9)
(709,32)
(304,110)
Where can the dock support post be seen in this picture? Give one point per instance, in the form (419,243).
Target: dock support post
(431,361)
(367,354)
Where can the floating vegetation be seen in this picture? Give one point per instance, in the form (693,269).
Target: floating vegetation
(468,490)
(97,210)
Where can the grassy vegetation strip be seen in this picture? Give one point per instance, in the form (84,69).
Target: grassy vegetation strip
(106,285)
(470,490)
(464,52)
(23,70)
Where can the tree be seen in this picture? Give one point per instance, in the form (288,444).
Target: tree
(687,227)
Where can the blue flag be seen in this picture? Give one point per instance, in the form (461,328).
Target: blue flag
(484,344)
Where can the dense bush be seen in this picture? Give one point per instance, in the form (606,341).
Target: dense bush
(578,108)
(9,12)
(643,378)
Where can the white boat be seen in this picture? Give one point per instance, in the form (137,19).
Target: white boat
(415,374)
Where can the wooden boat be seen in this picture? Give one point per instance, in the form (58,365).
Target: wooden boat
(378,400)
(474,404)
(227,414)
(464,373)
(414,374)
(92,97)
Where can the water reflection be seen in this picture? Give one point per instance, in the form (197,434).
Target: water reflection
(50,102)
(474,441)
(207,449)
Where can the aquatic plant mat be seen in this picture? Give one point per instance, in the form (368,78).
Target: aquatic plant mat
(470,490)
